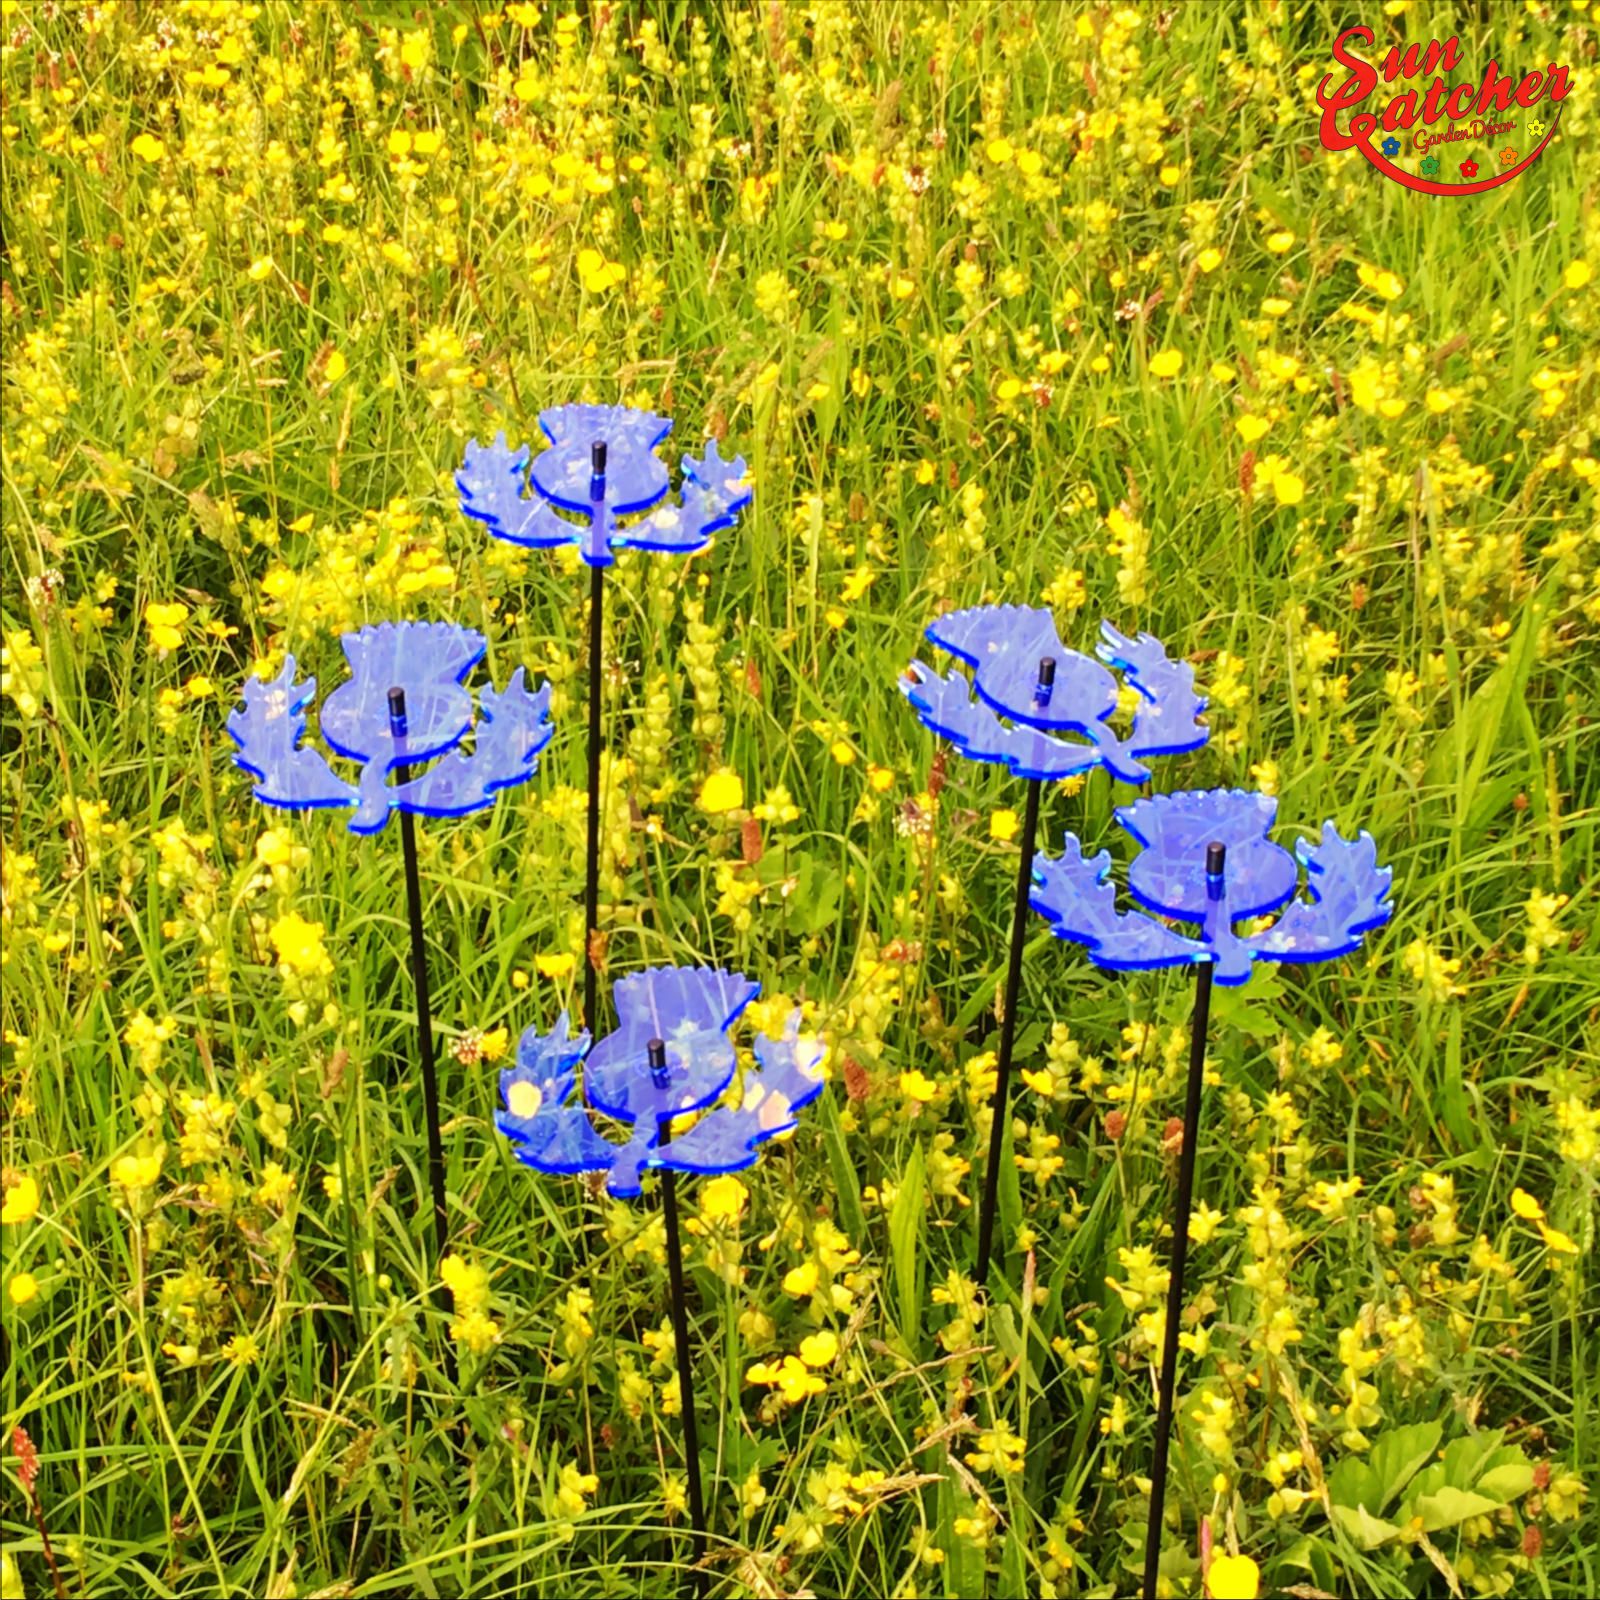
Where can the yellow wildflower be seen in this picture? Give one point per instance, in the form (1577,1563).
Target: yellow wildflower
(722,791)
(21,1202)
(1233,1578)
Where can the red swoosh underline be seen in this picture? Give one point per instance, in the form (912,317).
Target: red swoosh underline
(1432,186)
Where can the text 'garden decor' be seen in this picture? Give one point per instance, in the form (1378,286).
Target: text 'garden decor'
(1206,862)
(601,467)
(1029,688)
(404,706)
(670,1059)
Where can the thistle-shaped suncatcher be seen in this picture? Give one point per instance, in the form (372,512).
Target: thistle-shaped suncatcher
(405,704)
(1030,688)
(1022,671)
(1348,889)
(670,1061)
(1207,862)
(601,466)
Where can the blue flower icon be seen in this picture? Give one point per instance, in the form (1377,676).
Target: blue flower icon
(1391,147)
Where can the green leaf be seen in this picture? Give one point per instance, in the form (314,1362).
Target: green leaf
(1367,1530)
(1010,1194)
(1453,1106)
(1477,1475)
(1397,1455)
(905,1246)
(1013,1566)
(1352,1484)
(846,1185)
(1460,759)
(1313,1555)
(1507,1475)
(963,1566)
(1449,1506)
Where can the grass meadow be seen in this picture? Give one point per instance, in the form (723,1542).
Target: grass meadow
(1044,303)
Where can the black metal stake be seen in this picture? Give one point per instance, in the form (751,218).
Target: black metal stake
(1008,1022)
(419,979)
(591,880)
(1216,856)
(695,1584)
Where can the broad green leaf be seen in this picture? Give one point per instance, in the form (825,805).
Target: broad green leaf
(1459,1464)
(1367,1530)
(1507,1475)
(1447,1507)
(1397,1455)
(1352,1484)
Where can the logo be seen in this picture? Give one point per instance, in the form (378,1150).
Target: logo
(1489,120)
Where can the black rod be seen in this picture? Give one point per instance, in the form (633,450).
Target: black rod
(591,877)
(1216,856)
(419,979)
(695,1583)
(1008,1033)
(1008,1022)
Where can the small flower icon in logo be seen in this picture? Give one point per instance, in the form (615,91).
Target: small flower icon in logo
(1538,128)
(1430,166)
(1508,157)
(1391,147)
(1469,169)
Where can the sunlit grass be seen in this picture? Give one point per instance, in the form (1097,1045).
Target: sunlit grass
(930,270)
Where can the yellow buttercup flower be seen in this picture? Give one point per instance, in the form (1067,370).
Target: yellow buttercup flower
(21,1202)
(818,1349)
(723,1199)
(791,1377)
(1233,1578)
(723,791)
(164,622)
(299,944)
(802,1280)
